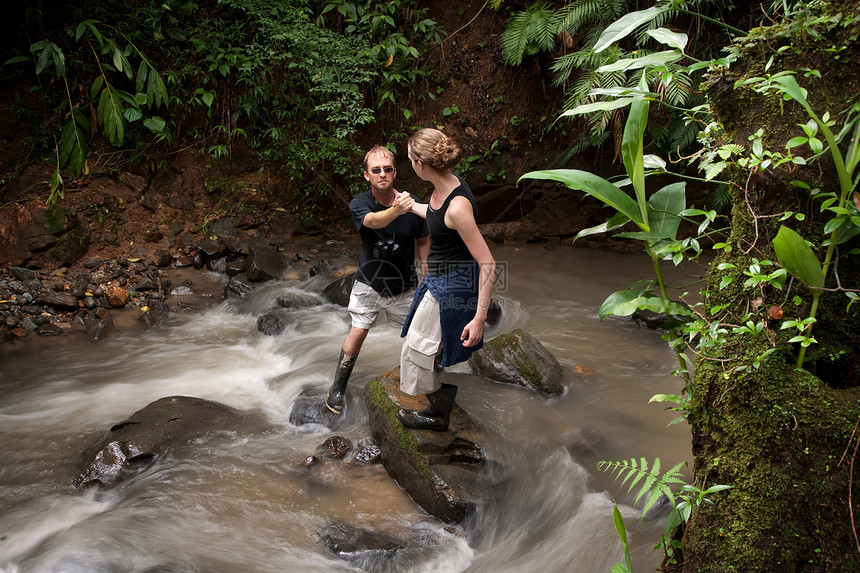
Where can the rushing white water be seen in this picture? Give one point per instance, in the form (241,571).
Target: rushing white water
(242,502)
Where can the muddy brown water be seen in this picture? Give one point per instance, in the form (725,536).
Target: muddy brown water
(228,503)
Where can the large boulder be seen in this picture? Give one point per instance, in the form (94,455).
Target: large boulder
(338,292)
(519,358)
(446,473)
(136,443)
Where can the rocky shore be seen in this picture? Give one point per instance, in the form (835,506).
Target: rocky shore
(81,298)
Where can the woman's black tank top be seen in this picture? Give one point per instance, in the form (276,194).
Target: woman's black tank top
(447,249)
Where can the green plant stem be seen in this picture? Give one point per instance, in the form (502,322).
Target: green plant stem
(665,294)
(845,189)
(712,21)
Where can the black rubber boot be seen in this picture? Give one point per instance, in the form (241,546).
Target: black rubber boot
(436,416)
(336,397)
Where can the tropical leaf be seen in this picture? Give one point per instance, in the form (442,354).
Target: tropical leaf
(649,60)
(665,206)
(625,25)
(672,39)
(626,302)
(797,257)
(616,221)
(592,185)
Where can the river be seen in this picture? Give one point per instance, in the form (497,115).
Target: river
(243,502)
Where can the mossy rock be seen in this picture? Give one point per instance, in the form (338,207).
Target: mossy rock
(446,473)
(519,358)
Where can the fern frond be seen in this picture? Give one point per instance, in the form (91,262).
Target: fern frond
(528,33)
(654,484)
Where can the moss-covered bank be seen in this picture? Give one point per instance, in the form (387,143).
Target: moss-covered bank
(784,438)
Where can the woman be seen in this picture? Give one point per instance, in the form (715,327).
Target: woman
(446,321)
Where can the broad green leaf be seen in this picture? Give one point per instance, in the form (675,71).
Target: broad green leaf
(665,206)
(795,141)
(632,154)
(132,114)
(668,37)
(97,86)
(797,257)
(599,106)
(622,27)
(641,236)
(593,185)
(657,59)
(654,162)
(626,302)
(614,222)
(621,91)
(788,85)
(17,60)
(110,115)
(154,124)
(140,79)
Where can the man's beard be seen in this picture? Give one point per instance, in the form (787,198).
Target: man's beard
(384,188)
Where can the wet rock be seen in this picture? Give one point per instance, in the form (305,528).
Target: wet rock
(298,300)
(212,248)
(161,258)
(338,291)
(519,358)
(238,287)
(144,284)
(264,263)
(310,461)
(310,408)
(218,265)
(59,300)
(368,451)
(337,446)
(658,320)
(117,296)
(234,267)
(273,323)
(446,473)
(134,444)
(21,274)
(366,548)
(98,324)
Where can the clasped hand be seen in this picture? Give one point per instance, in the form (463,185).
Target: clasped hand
(403,202)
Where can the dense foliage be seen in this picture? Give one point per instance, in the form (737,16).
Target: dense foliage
(569,33)
(294,80)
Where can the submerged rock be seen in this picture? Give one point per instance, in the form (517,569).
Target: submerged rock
(446,473)
(310,408)
(366,548)
(519,358)
(136,443)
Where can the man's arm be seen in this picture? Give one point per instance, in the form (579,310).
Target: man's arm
(402,204)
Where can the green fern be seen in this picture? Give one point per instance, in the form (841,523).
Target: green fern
(653,484)
(530,32)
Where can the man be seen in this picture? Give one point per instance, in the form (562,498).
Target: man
(386,277)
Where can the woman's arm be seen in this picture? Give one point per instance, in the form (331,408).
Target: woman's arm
(461,217)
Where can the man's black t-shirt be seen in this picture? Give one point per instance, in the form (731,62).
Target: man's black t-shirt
(387,262)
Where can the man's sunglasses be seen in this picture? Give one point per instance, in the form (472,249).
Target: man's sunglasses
(376,170)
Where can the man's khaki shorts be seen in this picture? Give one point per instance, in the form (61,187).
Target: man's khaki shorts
(365,304)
